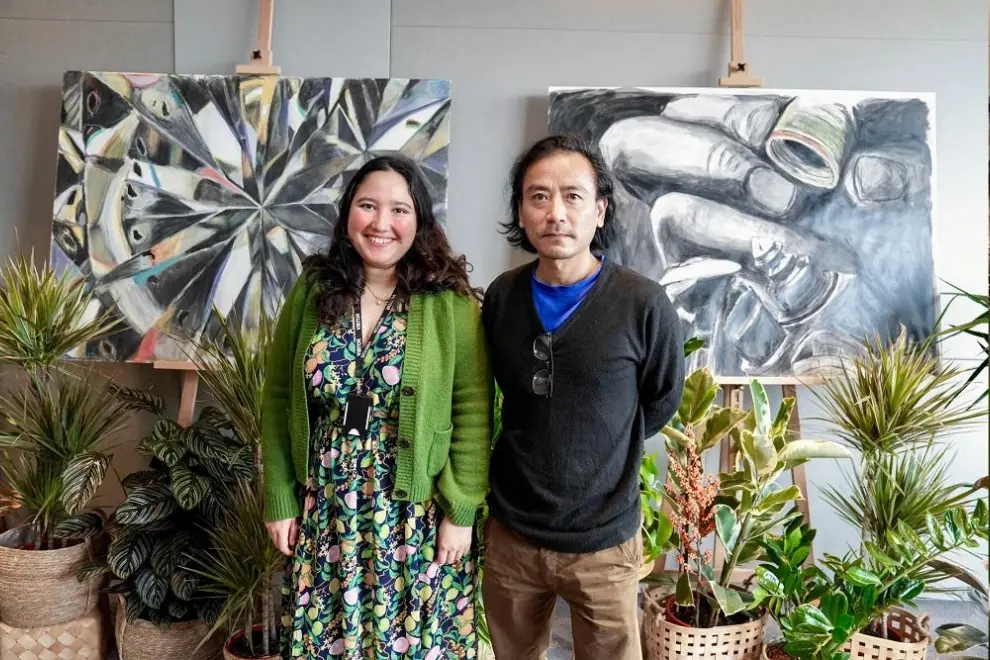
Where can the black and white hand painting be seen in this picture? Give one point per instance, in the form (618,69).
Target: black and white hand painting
(786,226)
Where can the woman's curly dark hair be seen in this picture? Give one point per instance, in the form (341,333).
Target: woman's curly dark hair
(605,184)
(430,265)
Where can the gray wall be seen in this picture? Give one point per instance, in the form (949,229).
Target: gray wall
(501,57)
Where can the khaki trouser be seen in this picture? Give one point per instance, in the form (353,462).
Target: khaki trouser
(521,583)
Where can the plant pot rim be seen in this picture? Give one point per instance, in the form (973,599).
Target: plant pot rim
(758,615)
(239,634)
(14,532)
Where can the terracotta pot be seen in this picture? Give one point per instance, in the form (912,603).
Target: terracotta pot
(228,654)
(666,639)
(39,587)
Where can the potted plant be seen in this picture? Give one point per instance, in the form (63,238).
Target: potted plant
(655,526)
(195,474)
(55,427)
(895,406)
(242,561)
(709,615)
(824,614)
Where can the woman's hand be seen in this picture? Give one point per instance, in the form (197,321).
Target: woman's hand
(283,534)
(453,542)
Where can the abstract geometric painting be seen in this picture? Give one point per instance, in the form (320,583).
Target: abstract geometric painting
(180,194)
(786,226)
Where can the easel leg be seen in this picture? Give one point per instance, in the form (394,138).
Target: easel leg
(732,398)
(798,474)
(187,398)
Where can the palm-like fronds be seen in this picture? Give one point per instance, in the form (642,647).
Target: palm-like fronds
(895,397)
(975,327)
(240,566)
(44,315)
(233,367)
(903,488)
(60,428)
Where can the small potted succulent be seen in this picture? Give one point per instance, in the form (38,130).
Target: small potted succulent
(709,615)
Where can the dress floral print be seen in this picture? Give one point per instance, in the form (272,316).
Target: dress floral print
(362,582)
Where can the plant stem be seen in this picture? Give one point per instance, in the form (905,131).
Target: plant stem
(697,606)
(268,622)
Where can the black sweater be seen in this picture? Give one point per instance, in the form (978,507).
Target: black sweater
(565,469)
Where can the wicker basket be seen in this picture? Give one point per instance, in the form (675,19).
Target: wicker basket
(39,587)
(83,639)
(912,630)
(143,640)
(666,640)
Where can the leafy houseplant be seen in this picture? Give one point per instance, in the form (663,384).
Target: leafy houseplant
(54,433)
(895,406)
(820,611)
(975,327)
(242,560)
(194,474)
(740,506)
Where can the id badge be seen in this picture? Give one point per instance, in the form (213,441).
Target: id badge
(357,415)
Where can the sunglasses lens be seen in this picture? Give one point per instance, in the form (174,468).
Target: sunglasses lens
(541,383)
(541,348)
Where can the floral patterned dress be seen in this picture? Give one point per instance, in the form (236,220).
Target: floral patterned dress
(363,583)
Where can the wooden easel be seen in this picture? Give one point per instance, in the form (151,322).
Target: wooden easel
(260,64)
(733,390)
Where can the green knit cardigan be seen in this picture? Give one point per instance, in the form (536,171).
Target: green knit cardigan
(445,405)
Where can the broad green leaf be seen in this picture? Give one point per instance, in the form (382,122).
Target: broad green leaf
(731,601)
(692,345)
(780,422)
(956,638)
(761,408)
(777,500)
(861,577)
(81,478)
(188,487)
(127,553)
(184,584)
(685,595)
(698,396)
(139,400)
(727,527)
(151,588)
(814,618)
(146,505)
(83,526)
(719,426)
(801,450)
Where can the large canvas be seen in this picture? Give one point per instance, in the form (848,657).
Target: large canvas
(183,197)
(786,226)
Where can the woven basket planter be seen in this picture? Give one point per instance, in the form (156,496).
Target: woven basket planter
(670,641)
(39,587)
(229,655)
(85,638)
(912,645)
(143,640)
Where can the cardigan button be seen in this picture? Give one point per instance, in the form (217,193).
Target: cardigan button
(404,443)
(401,493)
(408,391)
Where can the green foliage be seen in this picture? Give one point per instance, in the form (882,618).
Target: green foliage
(59,427)
(819,610)
(975,327)
(44,315)
(191,486)
(655,527)
(750,503)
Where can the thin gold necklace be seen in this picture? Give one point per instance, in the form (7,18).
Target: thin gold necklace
(378,299)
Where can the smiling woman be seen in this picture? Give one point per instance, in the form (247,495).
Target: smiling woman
(377,429)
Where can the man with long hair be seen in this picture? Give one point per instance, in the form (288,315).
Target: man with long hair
(589,358)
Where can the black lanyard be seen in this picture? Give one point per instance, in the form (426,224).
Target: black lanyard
(361,353)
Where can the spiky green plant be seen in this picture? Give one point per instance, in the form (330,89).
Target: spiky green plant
(243,559)
(45,315)
(894,397)
(60,429)
(975,327)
